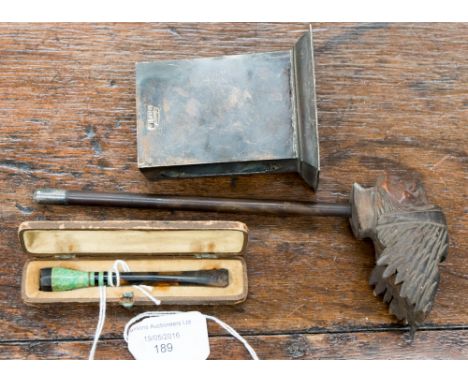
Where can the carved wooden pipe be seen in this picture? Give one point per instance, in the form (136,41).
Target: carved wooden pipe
(409,234)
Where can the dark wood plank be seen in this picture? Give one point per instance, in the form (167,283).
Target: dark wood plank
(447,344)
(390,97)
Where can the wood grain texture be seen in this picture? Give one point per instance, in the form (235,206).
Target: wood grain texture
(391,97)
(374,345)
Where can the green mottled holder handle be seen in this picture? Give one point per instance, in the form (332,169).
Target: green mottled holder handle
(64,279)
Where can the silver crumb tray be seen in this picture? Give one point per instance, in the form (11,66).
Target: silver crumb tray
(229,115)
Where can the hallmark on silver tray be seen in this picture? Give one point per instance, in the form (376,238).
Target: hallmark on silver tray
(152,116)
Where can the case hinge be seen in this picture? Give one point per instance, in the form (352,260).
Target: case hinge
(65,256)
(206,256)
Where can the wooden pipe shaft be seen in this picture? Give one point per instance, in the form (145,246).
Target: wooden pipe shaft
(55,196)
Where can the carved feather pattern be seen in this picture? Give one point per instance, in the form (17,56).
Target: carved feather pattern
(409,247)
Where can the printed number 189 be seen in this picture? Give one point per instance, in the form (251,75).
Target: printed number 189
(163,348)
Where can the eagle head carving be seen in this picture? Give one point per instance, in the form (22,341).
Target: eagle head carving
(410,238)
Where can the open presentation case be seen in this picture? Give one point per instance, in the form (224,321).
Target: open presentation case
(146,246)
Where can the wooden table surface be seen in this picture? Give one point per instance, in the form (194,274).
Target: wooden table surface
(391,97)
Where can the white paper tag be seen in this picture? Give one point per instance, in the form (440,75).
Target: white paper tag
(179,336)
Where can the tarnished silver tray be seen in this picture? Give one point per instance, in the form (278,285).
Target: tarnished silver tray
(241,114)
